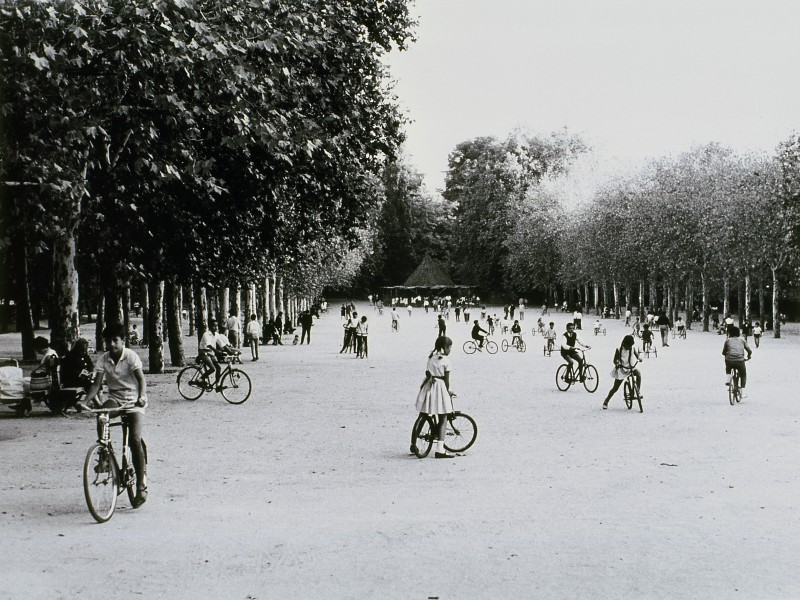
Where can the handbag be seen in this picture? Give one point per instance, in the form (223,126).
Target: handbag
(41,381)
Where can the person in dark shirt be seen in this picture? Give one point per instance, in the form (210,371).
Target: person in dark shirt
(476,334)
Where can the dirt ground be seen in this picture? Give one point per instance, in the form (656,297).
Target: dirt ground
(308,490)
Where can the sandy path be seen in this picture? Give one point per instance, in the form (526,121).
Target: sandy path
(307,490)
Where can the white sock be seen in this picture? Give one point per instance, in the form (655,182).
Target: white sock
(439,446)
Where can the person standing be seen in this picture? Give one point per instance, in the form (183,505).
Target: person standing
(362,330)
(306,322)
(234,330)
(435,396)
(396,319)
(253,332)
(442,326)
(121,369)
(577,317)
(664,325)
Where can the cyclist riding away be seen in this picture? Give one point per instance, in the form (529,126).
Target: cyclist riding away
(568,351)
(733,350)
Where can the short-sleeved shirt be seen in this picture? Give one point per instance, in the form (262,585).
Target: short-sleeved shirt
(119,377)
(208,341)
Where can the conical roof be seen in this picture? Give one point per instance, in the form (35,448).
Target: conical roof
(429,273)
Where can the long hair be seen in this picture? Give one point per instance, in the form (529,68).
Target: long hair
(441,343)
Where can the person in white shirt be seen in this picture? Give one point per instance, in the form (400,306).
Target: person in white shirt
(212,345)
(253,332)
(234,330)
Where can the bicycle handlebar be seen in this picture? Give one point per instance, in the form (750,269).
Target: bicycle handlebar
(127,407)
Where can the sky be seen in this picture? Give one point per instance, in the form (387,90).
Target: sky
(635,78)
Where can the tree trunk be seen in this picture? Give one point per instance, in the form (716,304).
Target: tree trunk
(65,328)
(726,292)
(100,324)
(761,307)
(113,303)
(172,294)
(689,305)
(776,314)
(596,299)
(190,291)
(236,302)
(748,292)
(155,298)
(704,293)
(201,310)
(145,313)
(641,310)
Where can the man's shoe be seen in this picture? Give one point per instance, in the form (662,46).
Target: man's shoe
(443,455)
(605,405)
(413,449)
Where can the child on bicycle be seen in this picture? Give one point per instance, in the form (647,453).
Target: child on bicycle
(597,326)
(540,325)
(550,335)
(647,338)
(516,333)
(625,359)
(570,353)
(121,368)
(435,396)
(680,326)
(734,350)
(213,346)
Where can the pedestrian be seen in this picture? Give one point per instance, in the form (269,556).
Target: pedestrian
(577,317)
(253,336)
(626,357)
(362,330)
(664,325)
(396,319)
(234,330)
(306,322)
(435,395)
(442,326)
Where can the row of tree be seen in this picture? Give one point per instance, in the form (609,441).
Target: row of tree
(689,230)
(188,143)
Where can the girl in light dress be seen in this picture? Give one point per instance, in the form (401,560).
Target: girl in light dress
(434,397)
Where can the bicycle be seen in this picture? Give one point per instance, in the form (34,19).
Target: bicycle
(599,330)
(462,430)
(104,479)
(734,390)
(587,374)
(516,342)
(538,329)
(649,348)
(549,347)
(630,389)
(471,346)
(234,384)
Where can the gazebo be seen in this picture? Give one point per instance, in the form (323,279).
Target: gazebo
(428,279)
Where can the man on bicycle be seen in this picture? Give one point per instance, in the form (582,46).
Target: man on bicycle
(121,368)
(568,351)
(550,335)
(734,350)
(516,333)
(214,346)
(476,334)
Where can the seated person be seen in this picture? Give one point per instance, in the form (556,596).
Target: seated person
(540,325)
(680,325)
(133,335)
(213,346)
(77,366)
(46,374)
(597,326)
(647,338)
(476,334)
(516,332)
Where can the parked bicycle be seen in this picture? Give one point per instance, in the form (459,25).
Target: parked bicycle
(234,384)
(516,342)
(471,346)
(462,430)
(587,374)
(104,477)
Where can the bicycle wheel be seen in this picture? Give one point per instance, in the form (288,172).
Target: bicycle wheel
(470,347)
(191,383)
(100,482)
(491,347)
(562,382)
(461,432)
(533,331)
(521,347)
(590,378)
(423,436)
(504,345)
(627,391)
(235,386)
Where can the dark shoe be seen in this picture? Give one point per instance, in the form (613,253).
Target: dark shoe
(605,405)
(413,449)
(141,497)
(443,455)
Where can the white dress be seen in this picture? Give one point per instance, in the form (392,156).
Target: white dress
(433,397)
